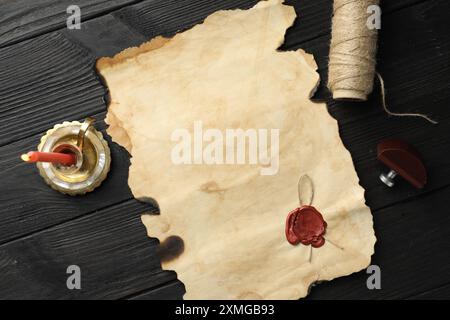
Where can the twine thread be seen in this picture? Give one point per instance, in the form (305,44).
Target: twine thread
(395,114)
(352,51)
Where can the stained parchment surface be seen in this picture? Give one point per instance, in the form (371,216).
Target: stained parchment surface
(227,74)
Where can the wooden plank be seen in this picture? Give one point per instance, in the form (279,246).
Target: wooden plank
(412,252)
(96,36)
(166,17)
(22,19)
(45,81)
(174,290)
(111,248)
(28,205)
(440,293)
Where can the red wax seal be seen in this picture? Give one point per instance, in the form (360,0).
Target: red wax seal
(306,225)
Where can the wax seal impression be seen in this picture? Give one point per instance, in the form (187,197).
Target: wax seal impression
(306,225)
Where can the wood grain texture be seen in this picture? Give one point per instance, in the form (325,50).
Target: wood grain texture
(173,290)
(110,247)
(96,36)
(412,252)
(440,293)
(167,17)
(45,81)
(22,19)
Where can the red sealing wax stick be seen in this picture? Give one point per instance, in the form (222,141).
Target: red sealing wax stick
(65,159)
(306,225)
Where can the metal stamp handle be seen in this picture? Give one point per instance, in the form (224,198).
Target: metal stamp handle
(83,130)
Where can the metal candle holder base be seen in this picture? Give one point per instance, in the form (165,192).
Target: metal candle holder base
(92,153)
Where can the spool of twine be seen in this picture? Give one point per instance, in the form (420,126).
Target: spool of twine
(353,49)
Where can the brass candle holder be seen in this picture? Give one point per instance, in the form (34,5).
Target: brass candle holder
(93,157)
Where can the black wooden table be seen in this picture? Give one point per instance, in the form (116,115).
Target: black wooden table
(47,76)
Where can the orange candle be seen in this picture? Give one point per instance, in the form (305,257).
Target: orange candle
(66,159)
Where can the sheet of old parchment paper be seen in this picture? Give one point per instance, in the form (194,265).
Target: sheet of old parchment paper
(173,102)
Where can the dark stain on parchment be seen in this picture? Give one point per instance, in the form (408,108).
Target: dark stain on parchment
(170,249)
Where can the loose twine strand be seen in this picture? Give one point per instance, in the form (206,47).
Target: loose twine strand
(395,114)
(353,49)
